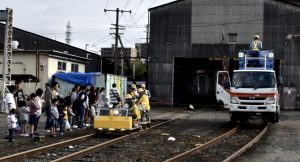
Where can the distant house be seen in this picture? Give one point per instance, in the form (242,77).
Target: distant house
(38,58)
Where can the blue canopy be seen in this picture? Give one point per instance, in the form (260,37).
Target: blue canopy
(75,78)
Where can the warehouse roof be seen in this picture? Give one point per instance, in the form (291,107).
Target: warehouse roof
(291,2)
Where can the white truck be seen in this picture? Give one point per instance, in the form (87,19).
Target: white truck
(253,89)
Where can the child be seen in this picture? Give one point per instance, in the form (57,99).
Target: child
(61,122)
(92,113)
(24,117)
(11,124)
(33,113)
(70,117)
(66,116)
(54,116)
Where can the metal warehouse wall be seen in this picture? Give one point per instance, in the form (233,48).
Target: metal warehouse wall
(280,20)
(213,20)
(170,34)
(201,28)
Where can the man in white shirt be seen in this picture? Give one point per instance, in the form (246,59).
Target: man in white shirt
(10,102)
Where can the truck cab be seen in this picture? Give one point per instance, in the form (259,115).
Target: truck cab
(253,88)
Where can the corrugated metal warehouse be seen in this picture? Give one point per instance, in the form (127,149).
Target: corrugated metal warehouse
(192,39)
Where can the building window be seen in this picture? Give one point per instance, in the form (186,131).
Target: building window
(232,37)
(74,67)
(61,66)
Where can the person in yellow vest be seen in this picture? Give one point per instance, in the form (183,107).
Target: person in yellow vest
(134,91)
(256,44)
(143,99)
(136,114)
(147,92)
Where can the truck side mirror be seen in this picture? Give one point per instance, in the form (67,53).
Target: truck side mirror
(279,81)
(226,85)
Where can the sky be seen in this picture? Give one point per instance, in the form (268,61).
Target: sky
(89,23)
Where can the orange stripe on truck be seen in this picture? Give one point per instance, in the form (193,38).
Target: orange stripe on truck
(257,95)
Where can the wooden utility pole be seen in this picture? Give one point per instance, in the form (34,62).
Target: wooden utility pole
(117,37)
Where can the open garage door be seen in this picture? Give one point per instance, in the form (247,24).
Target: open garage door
(194,80)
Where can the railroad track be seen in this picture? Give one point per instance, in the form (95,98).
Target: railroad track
(23,156)
(190,154)
(152,145)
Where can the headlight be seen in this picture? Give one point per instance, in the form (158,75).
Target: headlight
(270,100)
(116,112)
(126,106)
(234,100)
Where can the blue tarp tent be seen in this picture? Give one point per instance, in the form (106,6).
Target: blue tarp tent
(75,78)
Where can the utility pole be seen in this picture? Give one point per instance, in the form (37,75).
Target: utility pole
(7,17)
(117,37)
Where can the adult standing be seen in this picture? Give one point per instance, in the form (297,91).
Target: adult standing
(114,95)
(80,103)
(50,93)
(256,44)
(10,102)
(144,100)
(101,100)
(19,95)
(72,113)
(38,101)
(147,92)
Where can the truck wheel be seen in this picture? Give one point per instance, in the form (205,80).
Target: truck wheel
(275,118)
(265,119)
(233,117)
(221,106)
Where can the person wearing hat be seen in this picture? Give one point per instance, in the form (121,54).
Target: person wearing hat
(134,94)
(256,44)
(136,114)
(144,99)
(147,92)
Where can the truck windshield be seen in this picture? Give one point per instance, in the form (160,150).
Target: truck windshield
(254,80)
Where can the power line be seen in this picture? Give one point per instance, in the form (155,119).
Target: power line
(127,3)
(106,3)
(100,39)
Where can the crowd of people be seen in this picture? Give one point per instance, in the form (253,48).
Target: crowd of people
(76,110)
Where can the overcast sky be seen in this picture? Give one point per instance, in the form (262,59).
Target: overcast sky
(90,24)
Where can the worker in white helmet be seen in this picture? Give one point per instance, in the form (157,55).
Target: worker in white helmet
(256,44)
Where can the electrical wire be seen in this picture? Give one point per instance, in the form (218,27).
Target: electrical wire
(126,5)
(106,4)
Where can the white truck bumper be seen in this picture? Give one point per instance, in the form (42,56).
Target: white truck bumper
(252,108)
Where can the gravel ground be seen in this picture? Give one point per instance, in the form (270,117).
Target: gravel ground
(26,143)
(281,143)
(154,145)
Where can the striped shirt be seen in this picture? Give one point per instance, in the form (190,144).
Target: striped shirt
(112,95)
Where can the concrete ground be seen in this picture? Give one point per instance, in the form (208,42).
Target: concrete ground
(281,143)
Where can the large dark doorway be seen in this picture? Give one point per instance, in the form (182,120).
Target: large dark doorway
(194,80)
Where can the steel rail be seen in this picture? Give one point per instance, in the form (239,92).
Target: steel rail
(22,155)
(98,147)
(202,147)
(249,145)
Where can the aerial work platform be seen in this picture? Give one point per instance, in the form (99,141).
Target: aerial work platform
(260,60)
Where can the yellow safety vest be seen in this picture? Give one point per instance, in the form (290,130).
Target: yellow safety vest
(255,45)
